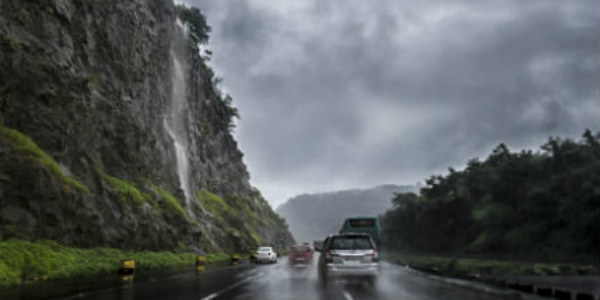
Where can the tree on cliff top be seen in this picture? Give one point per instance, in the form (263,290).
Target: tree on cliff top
(195,20)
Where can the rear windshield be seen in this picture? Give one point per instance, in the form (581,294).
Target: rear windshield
(264,249)
(362,223)
(299,249)
(351,242)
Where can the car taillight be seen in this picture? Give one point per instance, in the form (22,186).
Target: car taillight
(269,253)
(329,256)
(375,256)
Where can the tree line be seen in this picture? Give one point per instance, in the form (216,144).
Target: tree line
(523,204)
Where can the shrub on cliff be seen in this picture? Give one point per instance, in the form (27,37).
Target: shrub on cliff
(196,22)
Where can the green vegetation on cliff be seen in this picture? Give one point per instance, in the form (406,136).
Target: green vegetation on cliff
(26,147)
(543,205)
(232,215)
(126,190)
(215,205)
(24,261)
(198,34)
(195,20)
(170,201)
(250,219)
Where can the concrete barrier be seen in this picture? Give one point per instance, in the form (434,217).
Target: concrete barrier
(584,296)
(560,287)
(544,291)
(562,295)
(527,288)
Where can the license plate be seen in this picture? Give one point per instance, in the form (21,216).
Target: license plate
(353,258)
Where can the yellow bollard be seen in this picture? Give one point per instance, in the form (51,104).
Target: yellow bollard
(200,269)
(234,258)
(200,260)
(126,266)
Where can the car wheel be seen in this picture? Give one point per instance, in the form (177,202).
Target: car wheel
(372,280)
(323,279)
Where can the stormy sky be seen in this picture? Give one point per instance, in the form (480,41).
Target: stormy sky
(342,94)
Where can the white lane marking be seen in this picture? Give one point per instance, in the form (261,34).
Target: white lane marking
(347,295)
(211,296)
(231,287)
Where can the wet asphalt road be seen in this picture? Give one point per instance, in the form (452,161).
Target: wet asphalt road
(283,281)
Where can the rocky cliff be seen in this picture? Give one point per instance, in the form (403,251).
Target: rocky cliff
(112,133)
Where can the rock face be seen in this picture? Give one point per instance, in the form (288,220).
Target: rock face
(314,216)
(113,134)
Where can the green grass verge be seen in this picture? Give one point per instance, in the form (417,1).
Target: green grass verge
(45,259)
(27,147)
(481,268)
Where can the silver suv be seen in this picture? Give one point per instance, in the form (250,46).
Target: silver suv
(348,256)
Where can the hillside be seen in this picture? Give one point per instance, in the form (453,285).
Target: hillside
(113,133)
(313,216)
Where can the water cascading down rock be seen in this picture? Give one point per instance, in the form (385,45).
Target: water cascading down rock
(175,118)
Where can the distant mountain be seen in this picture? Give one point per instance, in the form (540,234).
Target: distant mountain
(314,216)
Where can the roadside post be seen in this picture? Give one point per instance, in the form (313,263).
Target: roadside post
(126,266)
(200,262)
(235,258)
(126,270)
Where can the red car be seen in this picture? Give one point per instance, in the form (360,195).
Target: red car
(301,254)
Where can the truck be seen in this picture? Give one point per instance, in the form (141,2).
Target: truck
(361,224)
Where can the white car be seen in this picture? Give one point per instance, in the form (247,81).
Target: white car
(266,254)
(349,256)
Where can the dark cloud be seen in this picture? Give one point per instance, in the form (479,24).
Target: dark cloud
(343,94)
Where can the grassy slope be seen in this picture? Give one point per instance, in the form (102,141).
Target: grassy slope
(29,261)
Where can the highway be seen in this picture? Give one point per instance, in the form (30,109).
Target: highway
(284,281)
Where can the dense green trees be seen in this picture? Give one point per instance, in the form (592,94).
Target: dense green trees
(544,203)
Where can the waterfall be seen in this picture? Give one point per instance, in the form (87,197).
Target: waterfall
(175,120)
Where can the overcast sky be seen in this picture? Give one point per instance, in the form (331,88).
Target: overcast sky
(342,94)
